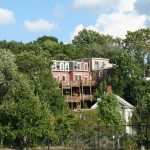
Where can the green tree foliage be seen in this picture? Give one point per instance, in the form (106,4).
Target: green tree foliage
(138,44)
(108,109)
(22,115)
(37,66)
(87,37)
(42,39)
(93,44)
(86,125)
(127,74)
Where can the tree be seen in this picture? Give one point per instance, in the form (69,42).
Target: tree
(127,73)
(93,44)
(22,115)
(108,109)
(86,37)
(138,44)
(37,67)
(140,117)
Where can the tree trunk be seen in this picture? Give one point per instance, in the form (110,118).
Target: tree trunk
(24,142)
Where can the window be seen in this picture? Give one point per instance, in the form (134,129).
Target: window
(75,66)
(64,78)
(78,66)
(78,77)
(67,67)
(96,64)
(62,67)
(101,73)
(58,65)
(82,66)
(86,67)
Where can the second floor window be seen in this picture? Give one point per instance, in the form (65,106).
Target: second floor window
(64,78)
(78,77)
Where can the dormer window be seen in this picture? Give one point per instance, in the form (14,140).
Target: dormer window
(58,66)
(61,67)
(86,68)
(67,67)
(78,66)
(75,65)
(82,66)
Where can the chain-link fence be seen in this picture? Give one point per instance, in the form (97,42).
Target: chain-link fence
(127,137)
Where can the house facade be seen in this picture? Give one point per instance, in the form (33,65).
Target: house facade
(78,79)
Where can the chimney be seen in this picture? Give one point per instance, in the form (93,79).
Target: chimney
(109,88)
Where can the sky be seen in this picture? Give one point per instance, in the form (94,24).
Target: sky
(27,20)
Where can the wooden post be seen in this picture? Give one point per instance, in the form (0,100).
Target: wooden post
(71,95)
(91,89)
(82,92)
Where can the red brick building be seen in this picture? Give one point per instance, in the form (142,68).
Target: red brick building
(78,79)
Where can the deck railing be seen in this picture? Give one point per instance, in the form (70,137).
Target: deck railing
(77,83)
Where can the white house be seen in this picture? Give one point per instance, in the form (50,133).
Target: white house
(126,111)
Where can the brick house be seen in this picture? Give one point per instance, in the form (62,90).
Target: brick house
(78,79)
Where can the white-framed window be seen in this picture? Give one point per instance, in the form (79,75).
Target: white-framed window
(75,66)
(78,66)
(101,73)
(82,66)
(67,67)
(61,66)
(78,77)
(58,65)
(96,64)
(86,67)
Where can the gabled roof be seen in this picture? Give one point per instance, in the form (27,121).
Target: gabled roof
(121,101)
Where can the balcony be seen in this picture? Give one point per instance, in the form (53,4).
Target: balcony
(70,98)
(75,83)
(88,83)
(87,97)
(68,84)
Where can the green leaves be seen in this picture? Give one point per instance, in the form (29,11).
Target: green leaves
(21,111)
(108,109)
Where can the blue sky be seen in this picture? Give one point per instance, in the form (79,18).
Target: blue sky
(27,20)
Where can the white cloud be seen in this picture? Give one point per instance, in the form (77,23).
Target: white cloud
(117,23)
(6,16)
(76,30)
(39,25)
(94,4)
(126,5)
